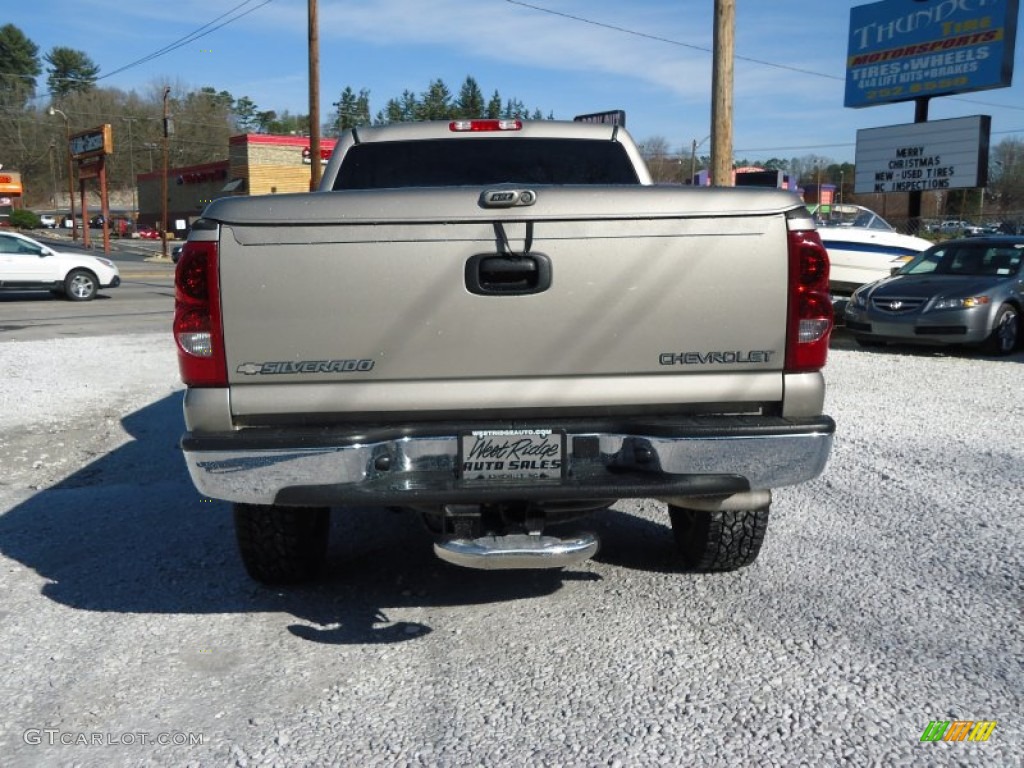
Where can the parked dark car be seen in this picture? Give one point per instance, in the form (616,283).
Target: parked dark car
(965,291)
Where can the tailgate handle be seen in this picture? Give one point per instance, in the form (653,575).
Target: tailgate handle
(504,274)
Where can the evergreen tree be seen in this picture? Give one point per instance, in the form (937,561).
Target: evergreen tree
(266,119)
(351,110)
(513,108)
(470,103)
(288,124)
(221,99)
(19,67)
(494,106)
(392,113)
(410,106)
(70,71)
(246,114)
(436,102)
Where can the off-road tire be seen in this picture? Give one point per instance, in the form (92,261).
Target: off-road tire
(1005,336)
(718,541)
(282,545)
(80,285)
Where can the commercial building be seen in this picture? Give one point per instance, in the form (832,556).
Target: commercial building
(257,164)
(10,193)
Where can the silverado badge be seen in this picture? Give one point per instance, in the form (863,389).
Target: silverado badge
(305,366)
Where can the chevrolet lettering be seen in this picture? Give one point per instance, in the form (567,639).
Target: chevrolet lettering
(716,358)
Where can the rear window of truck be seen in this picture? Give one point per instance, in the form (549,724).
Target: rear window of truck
(471,162)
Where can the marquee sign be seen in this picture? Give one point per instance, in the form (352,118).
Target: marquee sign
(923,157)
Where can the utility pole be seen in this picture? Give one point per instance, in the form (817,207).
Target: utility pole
(721,93)
(163,185)
(314,98)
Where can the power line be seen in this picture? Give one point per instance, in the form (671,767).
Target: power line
(703,49)
(659,39)
(190,37)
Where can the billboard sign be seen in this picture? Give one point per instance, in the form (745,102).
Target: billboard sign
(923,157)
(95,142)
(10,183)
(900,50)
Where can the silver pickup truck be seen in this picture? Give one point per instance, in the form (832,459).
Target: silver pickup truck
(505,326)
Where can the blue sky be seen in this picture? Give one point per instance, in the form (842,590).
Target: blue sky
(649,57)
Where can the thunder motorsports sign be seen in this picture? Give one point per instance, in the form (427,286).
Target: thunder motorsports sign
(901,50)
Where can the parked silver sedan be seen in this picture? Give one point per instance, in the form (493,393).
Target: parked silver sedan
(968,291)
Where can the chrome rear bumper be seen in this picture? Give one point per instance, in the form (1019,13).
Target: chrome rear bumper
(383,466)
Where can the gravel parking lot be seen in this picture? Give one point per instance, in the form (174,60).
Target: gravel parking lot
(887,595)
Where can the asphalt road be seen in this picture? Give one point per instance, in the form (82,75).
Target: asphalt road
(143,303)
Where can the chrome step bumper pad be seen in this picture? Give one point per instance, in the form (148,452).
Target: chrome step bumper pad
(521,550)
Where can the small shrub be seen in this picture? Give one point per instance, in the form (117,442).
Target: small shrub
(24,219)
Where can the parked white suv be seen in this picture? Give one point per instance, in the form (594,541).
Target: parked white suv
(26,264)
(48,221)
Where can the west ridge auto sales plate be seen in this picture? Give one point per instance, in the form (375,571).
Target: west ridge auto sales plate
(511,454)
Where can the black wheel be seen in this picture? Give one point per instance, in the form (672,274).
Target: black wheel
(1006,332)
(282,545)
(868,343)
(80,285)
(718,541)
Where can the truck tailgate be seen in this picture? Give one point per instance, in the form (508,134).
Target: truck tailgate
(646,290)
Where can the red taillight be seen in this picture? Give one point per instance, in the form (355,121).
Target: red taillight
(810,306)
(197,320)
(460,126)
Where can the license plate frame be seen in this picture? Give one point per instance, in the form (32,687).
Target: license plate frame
(512,455)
